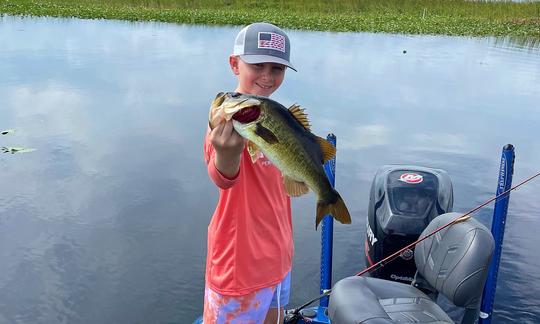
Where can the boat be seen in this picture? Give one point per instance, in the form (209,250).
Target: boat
(435,251)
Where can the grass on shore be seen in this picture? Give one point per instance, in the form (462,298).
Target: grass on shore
(446,17)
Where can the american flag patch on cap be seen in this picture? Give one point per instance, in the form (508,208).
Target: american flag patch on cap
(272,41)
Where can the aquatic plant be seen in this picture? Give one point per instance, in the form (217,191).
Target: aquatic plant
(457,17)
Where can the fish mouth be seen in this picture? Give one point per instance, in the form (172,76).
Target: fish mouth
(247,114)
(226,105)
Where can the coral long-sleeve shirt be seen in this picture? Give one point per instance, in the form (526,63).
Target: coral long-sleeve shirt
(250,243)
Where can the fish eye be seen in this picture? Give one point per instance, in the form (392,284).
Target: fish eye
(235,94)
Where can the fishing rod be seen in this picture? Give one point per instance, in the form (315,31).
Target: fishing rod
(295,313)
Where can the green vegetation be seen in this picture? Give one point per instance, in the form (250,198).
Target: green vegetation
(447,17)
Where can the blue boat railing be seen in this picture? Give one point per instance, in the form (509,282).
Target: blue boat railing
(327,232)
(506,172)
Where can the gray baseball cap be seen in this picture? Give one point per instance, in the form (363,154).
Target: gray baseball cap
(262,43)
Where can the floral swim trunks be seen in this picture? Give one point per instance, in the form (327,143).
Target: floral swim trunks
(251,308)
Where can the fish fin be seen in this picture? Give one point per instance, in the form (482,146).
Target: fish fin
(295,188)
(300,115)
(328,149)
(265,134)
(336,209)
(254,151)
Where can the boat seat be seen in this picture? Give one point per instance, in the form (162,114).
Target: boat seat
(454,262)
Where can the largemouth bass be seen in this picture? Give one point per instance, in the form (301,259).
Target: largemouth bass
(283,135)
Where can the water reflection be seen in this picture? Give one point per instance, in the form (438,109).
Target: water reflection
(519,43)
(106,220)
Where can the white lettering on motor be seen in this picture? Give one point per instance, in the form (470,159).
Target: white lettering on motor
(396,277)
(371,237)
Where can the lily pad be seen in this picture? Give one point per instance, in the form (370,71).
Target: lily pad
(14,150)
(7,131)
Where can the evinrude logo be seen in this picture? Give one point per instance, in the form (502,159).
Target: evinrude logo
(371,237)
(413,178)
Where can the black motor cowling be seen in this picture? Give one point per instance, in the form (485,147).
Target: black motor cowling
(402,202)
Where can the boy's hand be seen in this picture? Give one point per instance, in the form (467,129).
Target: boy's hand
(229,146)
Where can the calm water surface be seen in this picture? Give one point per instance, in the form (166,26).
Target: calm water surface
(106,221)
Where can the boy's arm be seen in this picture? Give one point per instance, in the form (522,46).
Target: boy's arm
(223,152)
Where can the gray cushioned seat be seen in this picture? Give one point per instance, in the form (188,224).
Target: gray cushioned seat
(453,262)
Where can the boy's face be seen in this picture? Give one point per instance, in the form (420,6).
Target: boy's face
(260,79)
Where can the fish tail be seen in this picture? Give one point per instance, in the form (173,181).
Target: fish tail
(334,207)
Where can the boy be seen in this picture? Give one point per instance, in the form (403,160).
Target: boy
(250,245)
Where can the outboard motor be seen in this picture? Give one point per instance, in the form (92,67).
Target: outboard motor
(402,202)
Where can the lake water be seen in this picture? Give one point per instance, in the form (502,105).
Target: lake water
(105,222)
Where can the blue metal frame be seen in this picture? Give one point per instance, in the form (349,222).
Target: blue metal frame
(327,232)
(506,171)
(327,238)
